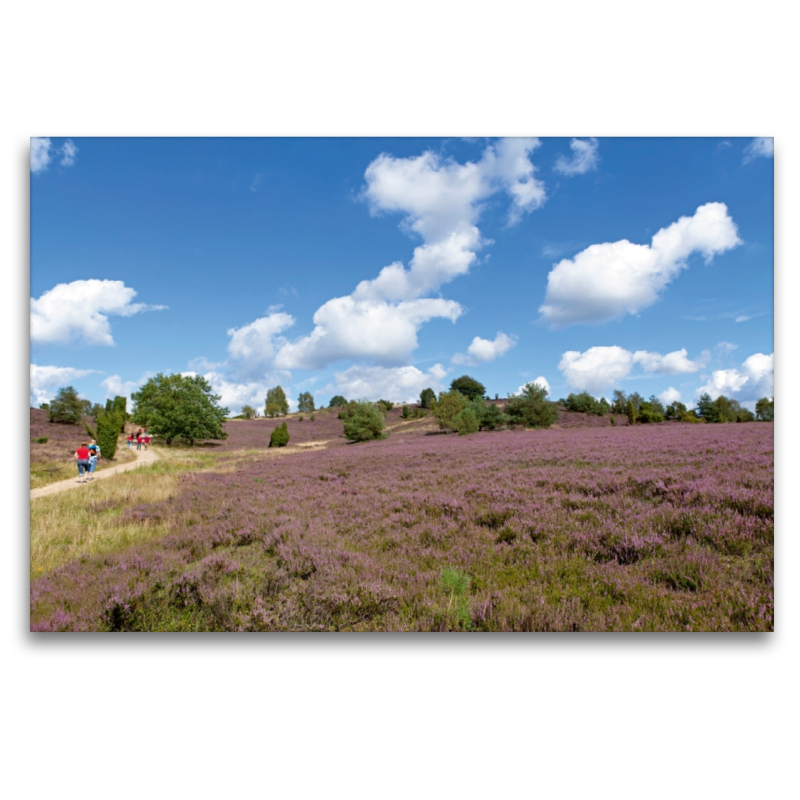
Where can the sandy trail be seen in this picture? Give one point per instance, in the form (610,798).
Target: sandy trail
(143,457)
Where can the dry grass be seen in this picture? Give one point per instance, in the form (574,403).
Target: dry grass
(68,525)
(87,521)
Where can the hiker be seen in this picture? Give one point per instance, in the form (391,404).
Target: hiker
(82,457)
(94,454)
(139,439)
(130,440)
(146,439)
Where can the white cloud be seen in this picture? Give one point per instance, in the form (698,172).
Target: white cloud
(673,363)
(400,385)
(40,154)
(597,368)
(761,146)
(542,381)
(46,381)
(668,396)
(234,395)
(77,310)
(252,347)
(584,158)
(605,281)
(68,153)
(482,350)
(114,386)
(602,367)
(752,382)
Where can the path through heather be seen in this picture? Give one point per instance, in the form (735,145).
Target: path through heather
(143,457)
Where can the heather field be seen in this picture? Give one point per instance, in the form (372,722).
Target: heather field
(594,528)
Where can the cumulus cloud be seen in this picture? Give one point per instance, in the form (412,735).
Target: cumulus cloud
(750,383)
(760,147)
(602,367)
(79,311)
(605,281)
(40,154)
(584,158)
(673,363)
(252,347)
(68,153)
(668,396)
(46,381)
(400,385)
(483,350)
(441,201)
(541,381)
(235,394)
(114,386)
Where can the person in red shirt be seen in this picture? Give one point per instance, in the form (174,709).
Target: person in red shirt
(146,439)
(82,457)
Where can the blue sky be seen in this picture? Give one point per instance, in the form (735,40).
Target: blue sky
(378,266)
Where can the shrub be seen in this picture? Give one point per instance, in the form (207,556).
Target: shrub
(456,583)
(531,408)
(41,440)
(427,397)
(312,417)
(338,400)
(447,408)
(491,417)
(248,412)
(406,412)
(587,404)
(108,433)
(279,437)
(648,412)
(300,418)
(386,405)
(466,421)
(366,421)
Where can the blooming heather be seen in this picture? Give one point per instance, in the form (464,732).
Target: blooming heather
(664,527)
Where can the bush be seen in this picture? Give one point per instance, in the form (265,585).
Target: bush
(531,408)
(279,436)
(312,417)
(300,418)
(427,397)
(108,424)
(648,412)
(41,440)
(386,405)
(466,421)
(406,412)
(447,408)
(338,400)
(586,404)
(491,417)
(365,421)
(248,412)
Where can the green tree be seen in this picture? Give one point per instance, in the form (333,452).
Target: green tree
(765,409)
(447,408)
(619,405)
(66,406)
(276,402)
(120,406)
(467,386)
(338,400)
(365,421)
(305,402)
(108,429)
(490,416)
(179,407)
(406,412)
(585,403)
(386,405)
(279,436)
(631,412)
(531,408)
(248,412)
(426,398)
(675,410)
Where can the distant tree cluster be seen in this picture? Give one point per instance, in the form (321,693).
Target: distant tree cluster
(587,404)
(305,402)
(276,404)
(723,409)
(530,409)
(66,407)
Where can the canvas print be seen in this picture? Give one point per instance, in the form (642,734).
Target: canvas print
(401,384)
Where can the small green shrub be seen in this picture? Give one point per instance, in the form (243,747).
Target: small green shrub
(365,422)
(279,437)
(312,417)
(456,584)
(41,440)
(386,405)
(406,412)
(300,418)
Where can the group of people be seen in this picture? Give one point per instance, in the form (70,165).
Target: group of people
(141,437)
(86,456)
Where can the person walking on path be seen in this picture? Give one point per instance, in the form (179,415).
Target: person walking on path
(146,439)
(94,455)
(130,441)
(82,457)
(139,439)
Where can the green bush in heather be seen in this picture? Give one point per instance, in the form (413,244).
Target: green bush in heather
(279,436)
(531,408)
(447,408)
(366,421)
(108,425)
(426,397)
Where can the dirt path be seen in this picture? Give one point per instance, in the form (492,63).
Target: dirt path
(142,457)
